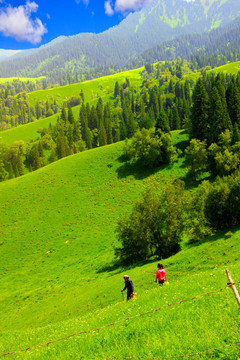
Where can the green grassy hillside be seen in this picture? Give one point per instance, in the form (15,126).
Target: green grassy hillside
(101,87)
(58,276)
(232,68)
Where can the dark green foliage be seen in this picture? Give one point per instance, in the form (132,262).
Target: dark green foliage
(162,122)
(154,227)
(150,149)
(199,112)
(222,206)
(196,158)
(224,159)
(3,172)
(116,90)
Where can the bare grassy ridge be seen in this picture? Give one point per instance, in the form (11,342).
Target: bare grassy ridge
(57,278)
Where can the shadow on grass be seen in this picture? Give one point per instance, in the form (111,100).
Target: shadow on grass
(182,145)
(138,170)
(118,267)
(227,233)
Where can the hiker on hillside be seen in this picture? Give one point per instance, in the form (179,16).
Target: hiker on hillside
(160,274)
(129,287)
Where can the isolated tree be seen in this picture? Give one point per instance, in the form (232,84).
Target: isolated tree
(154,227)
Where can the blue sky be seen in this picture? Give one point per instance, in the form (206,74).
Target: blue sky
(27,24)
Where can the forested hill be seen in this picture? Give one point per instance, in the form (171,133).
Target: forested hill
(157,22)
(222,44)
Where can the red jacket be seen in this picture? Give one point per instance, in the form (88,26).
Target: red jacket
(161,274)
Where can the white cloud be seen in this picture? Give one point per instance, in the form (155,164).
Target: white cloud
(108,8)
(16,22)
(123,6)
(129,5)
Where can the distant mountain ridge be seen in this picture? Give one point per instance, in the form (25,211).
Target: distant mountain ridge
(159,21)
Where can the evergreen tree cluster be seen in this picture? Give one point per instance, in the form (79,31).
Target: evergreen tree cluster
(14,107)
(215,124)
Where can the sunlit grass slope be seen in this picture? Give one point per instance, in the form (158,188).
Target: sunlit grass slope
(24,79)
(93,89)
(231,68)
(57,278)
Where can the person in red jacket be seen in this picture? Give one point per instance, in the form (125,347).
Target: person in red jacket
(160,275)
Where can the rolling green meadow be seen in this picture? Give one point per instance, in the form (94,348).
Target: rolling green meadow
(59,277)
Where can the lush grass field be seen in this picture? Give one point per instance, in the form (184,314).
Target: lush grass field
(93,89)
(231,68)
(58,276)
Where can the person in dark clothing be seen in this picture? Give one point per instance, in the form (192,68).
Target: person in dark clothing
(128,286)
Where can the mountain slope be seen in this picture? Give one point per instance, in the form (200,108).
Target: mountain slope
(225,39)
(57,279)
(158,21)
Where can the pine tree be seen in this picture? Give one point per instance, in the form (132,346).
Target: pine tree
(88,139)
(131,126)
(123,130)
(233,102)
(63,115)
(216,117)
(93,120)
(176,119)
(116,90)
(153,101)
(162,123)
(36,158)
(61,146)
(70,115)
(199,112)
(102,135)
(235,134)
